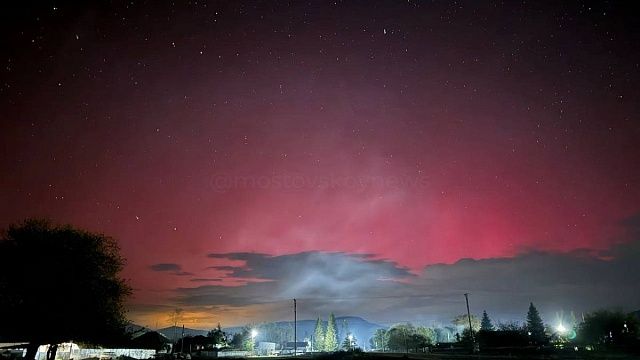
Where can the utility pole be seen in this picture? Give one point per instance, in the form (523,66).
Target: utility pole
(473,342)
(175,336)
(182,340)
(295,328)
(406,341)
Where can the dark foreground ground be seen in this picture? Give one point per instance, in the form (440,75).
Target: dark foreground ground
(439,356)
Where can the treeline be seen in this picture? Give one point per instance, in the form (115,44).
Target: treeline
(327,338)
(403,338)
(598,330)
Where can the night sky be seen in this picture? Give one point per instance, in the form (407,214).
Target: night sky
(370,158)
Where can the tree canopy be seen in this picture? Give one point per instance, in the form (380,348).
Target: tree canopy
(331,336)
(485,323)
(218,337)
(462,320)
(59,283)
(535,326)
(408,338)
(350,342)
(318,336)
(379,340)
(427,333)
(243,340)
(611,328)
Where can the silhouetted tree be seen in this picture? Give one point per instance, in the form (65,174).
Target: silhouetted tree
(242,340)
(427,333)
(462,320)
(511,326)
(406,337)
(331,337)
(379,340)
(418,342)
(465,337)
(445,334)
(218,337)
(344,329)
(611,328)
(318,336)
(350,342)
(535,326)
(398,337)
(507,334)
(59,283)
(485,323)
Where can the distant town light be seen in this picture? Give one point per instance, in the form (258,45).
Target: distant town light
(561,329)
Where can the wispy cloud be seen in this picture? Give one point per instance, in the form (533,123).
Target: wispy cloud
(175,269)
(383,290)
(360,285)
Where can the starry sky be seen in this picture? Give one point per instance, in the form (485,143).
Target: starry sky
(245,153)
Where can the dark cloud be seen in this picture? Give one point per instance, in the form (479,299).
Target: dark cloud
(341,266)
(382,290)
(175,269)
(571,281)
(165,267)
(206,280)
(222,268)
(309,276)
(183,273)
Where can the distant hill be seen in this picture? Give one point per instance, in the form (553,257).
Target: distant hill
(135,330)
(362,329)
(175,332)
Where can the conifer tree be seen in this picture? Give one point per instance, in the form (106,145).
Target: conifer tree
(535,326)
(485,323)
(350,342)
(318,336)
(331,337)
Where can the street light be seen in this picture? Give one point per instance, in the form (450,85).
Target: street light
(350,337)
(561,329)
(254,333)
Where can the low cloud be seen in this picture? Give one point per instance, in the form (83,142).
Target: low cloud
(260,287)
(382,290)
(575,281)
